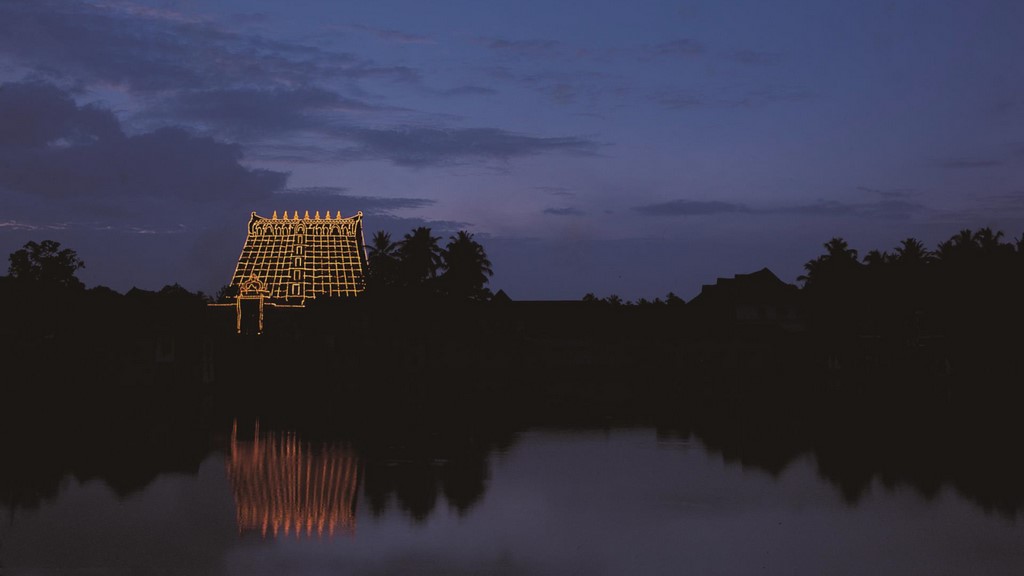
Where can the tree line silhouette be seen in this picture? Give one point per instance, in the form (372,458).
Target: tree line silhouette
(417,265)
(912,313)
(973,278)
(966,254)
(546,361)
(46,263)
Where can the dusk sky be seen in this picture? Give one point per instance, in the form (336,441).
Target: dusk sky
(633,148)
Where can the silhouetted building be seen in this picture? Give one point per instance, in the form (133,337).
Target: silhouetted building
(759,297)
(289,260)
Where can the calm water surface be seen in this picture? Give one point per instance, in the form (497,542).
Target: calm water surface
(549,502)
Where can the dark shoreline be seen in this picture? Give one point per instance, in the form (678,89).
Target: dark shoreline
(123,388)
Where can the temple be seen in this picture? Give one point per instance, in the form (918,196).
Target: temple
(286,261)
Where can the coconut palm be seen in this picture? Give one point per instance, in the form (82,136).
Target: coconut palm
(839,261)
(958,248)
(466,268)
(383,261)
(989,243)
(911,252)
(419,258)
(875,258)
(381,245)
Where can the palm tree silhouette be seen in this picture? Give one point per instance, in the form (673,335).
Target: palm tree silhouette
(381,246)
(911,252)
(959,247)
(466,268)
(419,257)
(383,261)
(838,261)
(989,244)
(875,258)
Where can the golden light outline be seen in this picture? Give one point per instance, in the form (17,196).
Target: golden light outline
(292,259)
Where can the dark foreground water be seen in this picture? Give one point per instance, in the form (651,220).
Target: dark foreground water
(619,501)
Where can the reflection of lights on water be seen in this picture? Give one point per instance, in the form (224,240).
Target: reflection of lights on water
(282,485)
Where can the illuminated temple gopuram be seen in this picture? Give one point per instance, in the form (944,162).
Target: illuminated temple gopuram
(283,486)
(287,260)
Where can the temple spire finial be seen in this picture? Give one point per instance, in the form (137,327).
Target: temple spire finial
(274,217)
(317,217)
(306,217)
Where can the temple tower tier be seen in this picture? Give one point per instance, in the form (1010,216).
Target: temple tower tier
(296,259)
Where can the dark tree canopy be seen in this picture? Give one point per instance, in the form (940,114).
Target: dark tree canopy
(418,265)
(46,263)
(466,268)
(419,256)
(837,264)
(382,273)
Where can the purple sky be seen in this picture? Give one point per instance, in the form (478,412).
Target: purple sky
(599,146)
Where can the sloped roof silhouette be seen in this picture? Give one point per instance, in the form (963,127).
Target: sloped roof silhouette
(757,288)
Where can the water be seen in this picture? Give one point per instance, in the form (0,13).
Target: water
(620,501)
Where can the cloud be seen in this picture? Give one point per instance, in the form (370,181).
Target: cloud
(419,146)
(168,162)
(691,208)
(521,48)
(244,18)
(368,204)
(769,95)
(1004,203)
(254,112)
(16,225)
(561,93)
(887,209)
(556,190)
(957,163)
(145,52)
(79,157)
(757,57)
(891,193)
(470,91)
(317,191)
(395,35)
(569,211)
(680,47)
(559,86)
(36,114)
(682,99)
(399,226)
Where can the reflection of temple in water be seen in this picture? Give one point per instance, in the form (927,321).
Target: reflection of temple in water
(282,485)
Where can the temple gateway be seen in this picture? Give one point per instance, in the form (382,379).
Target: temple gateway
(286,261)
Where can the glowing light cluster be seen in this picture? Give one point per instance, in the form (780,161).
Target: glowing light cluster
(298,258)
(282,486)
